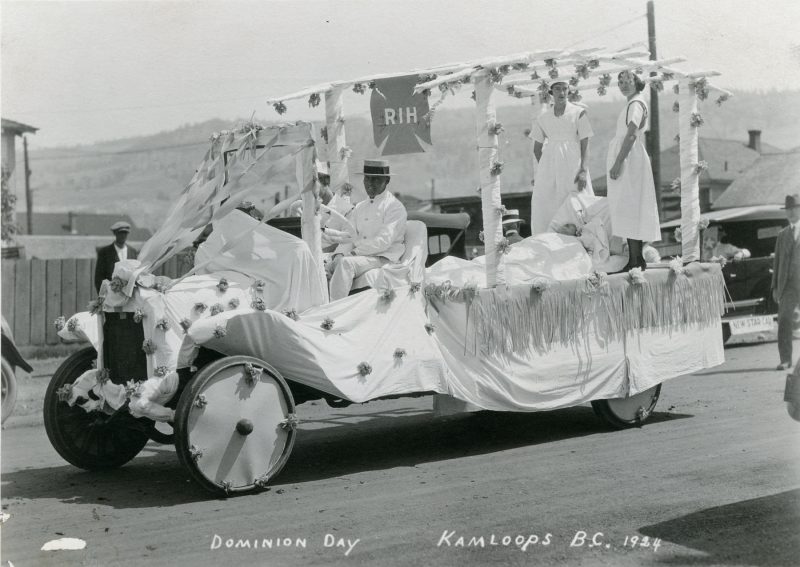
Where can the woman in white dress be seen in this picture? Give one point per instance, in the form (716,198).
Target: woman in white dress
(561,146)
(631,191)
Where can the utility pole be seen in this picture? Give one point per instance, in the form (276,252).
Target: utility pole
(28,193)
(654,142)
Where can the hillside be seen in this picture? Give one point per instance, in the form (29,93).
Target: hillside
(142,176)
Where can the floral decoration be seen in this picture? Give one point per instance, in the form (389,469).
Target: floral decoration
(314,100)
(73,325)
(279,107)
(721,260)
(387,295)
(415,287)
(676,106)
(574,80)
(703,223)
(291,422)
(364,368)
(582,70)
(541,285)
(657,85)
(722,98)
(162,324)
(161,371)
(117,284)
(497,168)
(676,88)
(676,185)
(359,88)
(258,304)
(323,132)
(677,234)
(535,76)
(233,303)
(60,323)
(220,331)
(149,347)
(430,327)
(700,167)
(696,120)
(133,389)
(676,266)
(345,153)
(259,285)
(102,375)
(185,324)
(521,66)
(481,236)
(399,353)
(223,285)
(216,309)
(637,276)
(701,88)
(96,305)
(346,190)
(291,314)
(252,374)
(496,129)
(574,96)
(138,315)
(327,324)
(64,393)
(601,90)
(200,307)
(553,73)
(504,246)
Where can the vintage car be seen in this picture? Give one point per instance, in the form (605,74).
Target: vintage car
(750,308)
(12,359)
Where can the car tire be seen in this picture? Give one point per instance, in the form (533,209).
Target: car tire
(9,392)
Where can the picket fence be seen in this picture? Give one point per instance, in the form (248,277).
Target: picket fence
(35,292)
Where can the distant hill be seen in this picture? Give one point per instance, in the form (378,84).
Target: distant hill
(142,176)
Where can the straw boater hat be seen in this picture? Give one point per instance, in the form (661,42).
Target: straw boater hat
(512,216)
(376,168)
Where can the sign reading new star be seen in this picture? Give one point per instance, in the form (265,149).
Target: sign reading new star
(398,116)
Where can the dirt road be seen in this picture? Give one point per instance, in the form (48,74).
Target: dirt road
(715,476)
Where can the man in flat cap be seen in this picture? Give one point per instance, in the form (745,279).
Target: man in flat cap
(786,278)
(377,234)
(115,252)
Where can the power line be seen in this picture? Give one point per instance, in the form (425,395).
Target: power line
(603,32)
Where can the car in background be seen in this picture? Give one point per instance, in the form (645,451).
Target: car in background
(750,308)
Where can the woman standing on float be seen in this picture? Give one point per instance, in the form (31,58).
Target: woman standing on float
(562,160)
(631,191)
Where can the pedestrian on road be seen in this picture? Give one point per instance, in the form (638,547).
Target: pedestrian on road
(115,252)
(786,278)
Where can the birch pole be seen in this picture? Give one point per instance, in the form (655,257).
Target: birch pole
(305,172)
(337,141)
(535,111)
(485,119)
(690,179)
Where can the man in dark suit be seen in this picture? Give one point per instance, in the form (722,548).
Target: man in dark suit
(786,278)
(109,255)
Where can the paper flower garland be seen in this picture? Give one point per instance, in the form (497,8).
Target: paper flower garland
(387,295)
(200,307)
(220,331)
(504,246)
(701,88)
(496,129)
(399,353)
(133,389)
(676,266)
(701,166)
(314,100)
(149,347)
(696,120)
(497,168)
(185,324)
(252,375)
(162,324)
(574,96)
(96,305)
(323,133)
(359,88)
(677,234)
(703,223)
(722,98)
(161,371)
(60,323)
(279,107)
(216,309)
(676,107)
(415,287)
(258,304)
(291,422)
(102,375)
(364,368)
(481,236)
(676,185)
(259,285)
(430,327)
(233,303)
(73,325)
(138,315)
(345,153)
(291,314)
(223,285)
(327,324)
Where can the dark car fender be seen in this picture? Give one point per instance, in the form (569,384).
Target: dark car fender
(12,355)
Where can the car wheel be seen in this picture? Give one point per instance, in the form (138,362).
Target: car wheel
(9,390)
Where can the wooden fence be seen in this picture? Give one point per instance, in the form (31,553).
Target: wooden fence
(35,292)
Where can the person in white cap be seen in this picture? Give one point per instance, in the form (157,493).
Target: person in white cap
(115,252)
(376,235)
(563,159)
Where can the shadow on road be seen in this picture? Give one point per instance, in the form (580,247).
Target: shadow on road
(761,531)
(383,440)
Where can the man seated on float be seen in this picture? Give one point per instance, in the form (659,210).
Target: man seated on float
(336,202)
(375,236)
(511,225)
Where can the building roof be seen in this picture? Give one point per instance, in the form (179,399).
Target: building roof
(766,182)
(17,128)
(85,224)
(726,159)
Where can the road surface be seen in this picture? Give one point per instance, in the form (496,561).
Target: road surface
(714,477)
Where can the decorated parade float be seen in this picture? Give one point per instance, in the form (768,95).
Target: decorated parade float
(224,354)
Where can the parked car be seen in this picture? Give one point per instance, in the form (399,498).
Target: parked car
(12,360)
(750,308)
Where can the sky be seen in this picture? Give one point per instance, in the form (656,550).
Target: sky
(84,72)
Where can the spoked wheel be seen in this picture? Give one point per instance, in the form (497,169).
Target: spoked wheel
(235,425)
(632,411)
(9,390)
(90,440)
